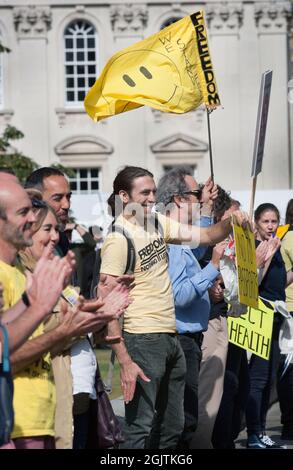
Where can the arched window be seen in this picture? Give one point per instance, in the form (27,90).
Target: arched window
(80,45)
(170,21)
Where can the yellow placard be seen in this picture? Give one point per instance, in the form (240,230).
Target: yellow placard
(246,266)
(253,331)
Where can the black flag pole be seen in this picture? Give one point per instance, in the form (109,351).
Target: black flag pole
(210,143)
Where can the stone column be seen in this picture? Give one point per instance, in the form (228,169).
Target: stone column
(32,24)
(272,28)
(128,22)
(224,23)
(249,82)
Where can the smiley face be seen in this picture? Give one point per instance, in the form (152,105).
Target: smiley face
(141,77)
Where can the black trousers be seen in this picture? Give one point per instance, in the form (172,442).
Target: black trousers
(262,376)
(191,345)
(234,399)
(285,392)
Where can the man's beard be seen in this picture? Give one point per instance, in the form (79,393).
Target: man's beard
(15,236)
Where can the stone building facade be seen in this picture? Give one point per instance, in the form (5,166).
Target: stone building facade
(59,47)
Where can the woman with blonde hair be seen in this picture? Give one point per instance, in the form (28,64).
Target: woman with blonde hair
(35,385)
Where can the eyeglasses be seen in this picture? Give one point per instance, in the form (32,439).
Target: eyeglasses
(194,192)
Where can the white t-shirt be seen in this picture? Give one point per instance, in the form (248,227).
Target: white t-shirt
(83,368)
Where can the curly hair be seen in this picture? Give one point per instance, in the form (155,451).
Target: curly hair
(222,203)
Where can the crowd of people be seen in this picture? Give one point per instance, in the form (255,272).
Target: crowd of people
(160,303)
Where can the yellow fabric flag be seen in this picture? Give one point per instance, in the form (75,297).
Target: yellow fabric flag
(282,230)
(171,71)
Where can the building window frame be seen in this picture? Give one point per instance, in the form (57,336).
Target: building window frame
(87,180)
(81,45)
(170,20)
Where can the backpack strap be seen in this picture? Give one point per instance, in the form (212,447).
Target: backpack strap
(131,257)
(157,224)
(96,274)
(130,265)
(130,262)
(6,364)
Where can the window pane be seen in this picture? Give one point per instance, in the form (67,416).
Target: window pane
(83,173)
(70,96)
(81,95)
(86,180)
(91,43)
(80,56)
(69,43)
(69,56)
(94,173)
(92,69)
(95,185)
(69,70)
(91,56)
(80,70)
(80,43)
(70,82)
(80,82)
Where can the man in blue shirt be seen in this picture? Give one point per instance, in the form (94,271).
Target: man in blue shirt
(179,191)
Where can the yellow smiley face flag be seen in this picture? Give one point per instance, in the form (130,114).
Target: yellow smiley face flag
(171,71)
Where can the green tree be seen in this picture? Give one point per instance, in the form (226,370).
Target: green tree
(22,165)
(11,158)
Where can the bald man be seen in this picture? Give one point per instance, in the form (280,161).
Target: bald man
(7,174)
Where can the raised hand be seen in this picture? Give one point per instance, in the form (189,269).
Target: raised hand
(77,322)
(108,283)
(218,252)
(209,192)
(216,292)
(45,284)
(261,254)
(117,301)
(241,218)
(273,246)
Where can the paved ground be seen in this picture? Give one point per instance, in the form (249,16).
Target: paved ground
(273,424)
(274,429)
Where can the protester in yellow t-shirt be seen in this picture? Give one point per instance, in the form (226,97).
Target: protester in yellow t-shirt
(34,385)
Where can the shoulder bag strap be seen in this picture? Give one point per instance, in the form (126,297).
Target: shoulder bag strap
(6,363)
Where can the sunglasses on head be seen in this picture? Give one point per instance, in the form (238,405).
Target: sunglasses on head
(38,203)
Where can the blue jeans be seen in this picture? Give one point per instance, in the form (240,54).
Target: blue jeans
(154,418)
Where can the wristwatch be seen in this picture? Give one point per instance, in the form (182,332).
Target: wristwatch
(25,299)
